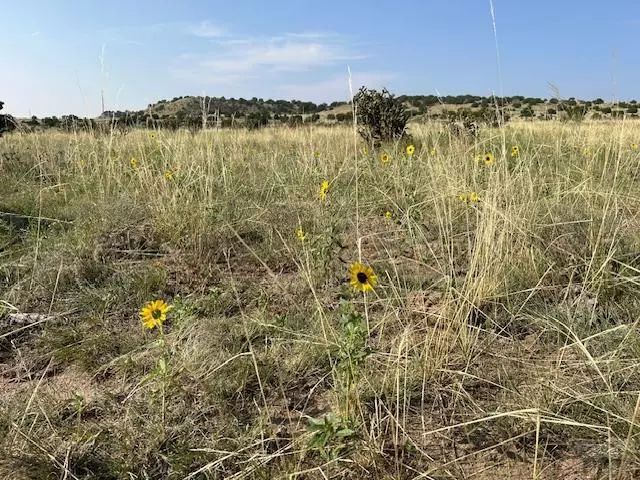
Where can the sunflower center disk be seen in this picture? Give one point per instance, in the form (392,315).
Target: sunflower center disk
(362,277)
(156,314)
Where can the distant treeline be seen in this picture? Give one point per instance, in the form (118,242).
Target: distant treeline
(195,112)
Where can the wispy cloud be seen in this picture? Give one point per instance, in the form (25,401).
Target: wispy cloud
(206,29)
(247,57)
(34,34)
(335,87)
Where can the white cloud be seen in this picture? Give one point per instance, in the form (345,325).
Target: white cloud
(249,57)
(336,87)
(207,30)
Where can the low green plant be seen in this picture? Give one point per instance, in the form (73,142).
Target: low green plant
(350,352)
(331,436)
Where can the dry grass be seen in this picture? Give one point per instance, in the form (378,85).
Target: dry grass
(501,342)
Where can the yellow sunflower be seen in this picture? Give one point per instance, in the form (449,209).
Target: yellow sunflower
(388,215)
(463,197)
(152,135)
(474,197)
(316,154)
(489,159)
(153,314)
(634,147)
(433,152)
(134,162)
(362,277)
(410,150)
(385,158)
(168,174)
(301,234)
(515,151)
(324,189)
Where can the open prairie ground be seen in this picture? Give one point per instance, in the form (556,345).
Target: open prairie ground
(467,311)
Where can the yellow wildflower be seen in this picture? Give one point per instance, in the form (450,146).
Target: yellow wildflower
(153,314)
(362,277)
(489,159)
(324,189)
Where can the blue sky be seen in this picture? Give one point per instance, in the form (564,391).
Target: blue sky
(56,56)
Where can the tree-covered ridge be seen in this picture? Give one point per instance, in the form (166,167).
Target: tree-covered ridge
(196,112)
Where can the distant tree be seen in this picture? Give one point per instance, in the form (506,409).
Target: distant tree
(331,116)
(7,122)
(598,101)
(51,122)
(295,120)
(572,112)
(258,119)
(527,112)
(632,110)
(605,110)
(344,117)
(33,121)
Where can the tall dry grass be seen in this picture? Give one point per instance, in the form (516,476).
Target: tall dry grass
(501,339)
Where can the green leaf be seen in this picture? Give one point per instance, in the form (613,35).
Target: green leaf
(345,432)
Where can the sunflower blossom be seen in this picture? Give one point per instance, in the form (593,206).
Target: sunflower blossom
(154,313)
(362,277)
(324,189)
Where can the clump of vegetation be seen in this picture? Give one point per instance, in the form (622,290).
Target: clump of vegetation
(570,110)
(7,122)
(381,116)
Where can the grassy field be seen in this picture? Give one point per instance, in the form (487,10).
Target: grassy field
(500,341)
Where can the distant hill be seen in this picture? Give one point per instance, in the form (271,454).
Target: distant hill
(226,111)
(195,111)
